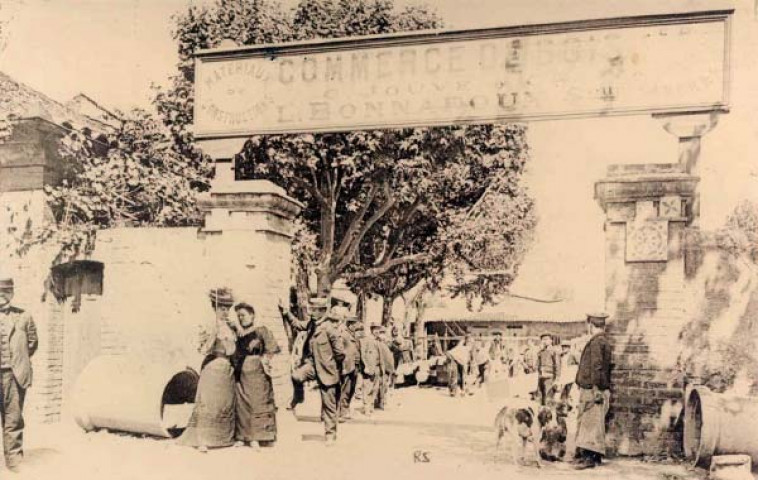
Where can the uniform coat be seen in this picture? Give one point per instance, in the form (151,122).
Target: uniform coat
(351,348)
(595,364)
(328,352)
(370,359)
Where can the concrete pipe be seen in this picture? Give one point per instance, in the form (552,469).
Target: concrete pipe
(718,424)
(132,395)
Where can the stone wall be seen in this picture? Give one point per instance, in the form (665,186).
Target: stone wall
(669,295)
(155,296)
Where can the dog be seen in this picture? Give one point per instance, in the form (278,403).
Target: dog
(553,432)
(519,422)
(542,428)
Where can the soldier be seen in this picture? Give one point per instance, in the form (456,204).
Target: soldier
(18,342)
(594,381)
(548,368)
(386,367)
(323,354)
(370,369)
(459,363)
(349,366)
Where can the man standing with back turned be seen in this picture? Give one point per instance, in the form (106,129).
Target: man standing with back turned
(18,342)
(594,381)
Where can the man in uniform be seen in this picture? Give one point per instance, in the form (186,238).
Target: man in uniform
(323,355)
(18,342)
(594,381)
(370,370)
(548,369)
(349,366)
(386,367)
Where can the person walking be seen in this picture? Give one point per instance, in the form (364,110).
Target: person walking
(370,369)
(548,369)
(323,355)
(18,343)
(480,362)
(594,381)
(349,367)
(255,412)
(386,368)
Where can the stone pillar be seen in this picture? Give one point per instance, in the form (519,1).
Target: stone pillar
(689,129)
(650,211)
(248,235)
(647,210)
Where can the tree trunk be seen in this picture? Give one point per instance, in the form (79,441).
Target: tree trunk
(387,310)
(420,333)
(360,307)
(323,282)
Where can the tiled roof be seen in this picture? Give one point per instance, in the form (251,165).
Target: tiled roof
(17,99)
(509,308)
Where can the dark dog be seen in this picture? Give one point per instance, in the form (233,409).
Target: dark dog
(543,429)
(553,432)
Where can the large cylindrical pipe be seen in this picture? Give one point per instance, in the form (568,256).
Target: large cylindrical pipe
(130,394)
(718,424)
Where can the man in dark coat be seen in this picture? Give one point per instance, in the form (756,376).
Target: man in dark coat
(548,368)
(18,342)
(387,368)
(594,381)
(349,366)
(323,355)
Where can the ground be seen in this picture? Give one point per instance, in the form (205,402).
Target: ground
(423,434)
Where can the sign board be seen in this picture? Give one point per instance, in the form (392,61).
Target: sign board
(650,64)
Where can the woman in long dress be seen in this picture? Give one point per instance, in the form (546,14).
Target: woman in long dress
(212,421)
(255,407)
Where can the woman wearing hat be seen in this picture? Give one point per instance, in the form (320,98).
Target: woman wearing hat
(255,407)
(212,421)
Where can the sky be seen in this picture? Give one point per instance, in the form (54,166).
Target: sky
(113,50)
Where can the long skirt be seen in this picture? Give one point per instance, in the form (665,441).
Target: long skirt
(212,420)
(255,407)
(590,429)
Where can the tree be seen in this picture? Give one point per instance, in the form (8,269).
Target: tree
(381,206)
(133,176)
(741,230)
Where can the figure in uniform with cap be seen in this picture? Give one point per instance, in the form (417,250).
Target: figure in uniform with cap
(18,342)
(323,355)
(594,381)
(350,366)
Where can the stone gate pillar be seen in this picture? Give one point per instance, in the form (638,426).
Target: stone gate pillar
(248,235)
(649,209)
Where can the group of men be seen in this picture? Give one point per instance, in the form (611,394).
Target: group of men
(476,360)
(558,371)
(339,355)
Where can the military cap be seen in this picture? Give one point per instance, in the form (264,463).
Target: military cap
(597,319)
(6,283)
(352,319)
(546,335)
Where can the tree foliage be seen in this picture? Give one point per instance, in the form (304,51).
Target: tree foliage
(741,230)
(133,176)
(384,209)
